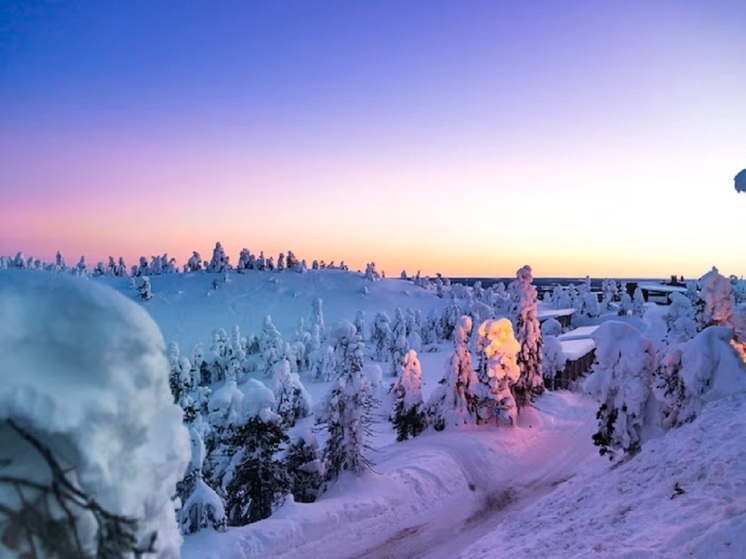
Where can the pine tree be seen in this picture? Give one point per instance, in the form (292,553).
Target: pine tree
(530,384)
(218,261)
(345,412)
(259,481)
(292,402)
(201,506)
(408,410)
(304,466)
(381,336)
(270,346)
(143,289)
(638,303)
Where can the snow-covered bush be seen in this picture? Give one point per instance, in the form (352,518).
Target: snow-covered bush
(710,369)
(88,426)
(553,359)
(551,327)
(622,379)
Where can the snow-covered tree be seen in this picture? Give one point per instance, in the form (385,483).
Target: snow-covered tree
(498,370)
(304,467)
(528,333)
(622,379)
(717,302)
(270,346)
(317,317)
(82,268)
(430,329)
(553,359)
(144,289)
(413,321)
(59,262)
(550,327)
(179,379)
(680,320)
(711,368)
(259,481)
(345,411)
(248,470)
(638,303)
(399,342)
(291,398)
(218,261)
(360,324)
(381,336)
(455,400)
(669,386)
(408,414)
(194,263)
(625,302)
(370,272)
(201,506)
(560,298)
(609,294)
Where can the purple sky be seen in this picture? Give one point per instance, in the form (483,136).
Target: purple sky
(465,137)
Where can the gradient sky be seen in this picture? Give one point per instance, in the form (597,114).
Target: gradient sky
(462,137)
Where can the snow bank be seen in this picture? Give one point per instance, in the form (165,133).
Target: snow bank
(683,495)
(84,370)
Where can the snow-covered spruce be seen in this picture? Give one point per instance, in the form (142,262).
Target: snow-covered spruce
(622,378)
(455,400)
(345,412)
(408,414)
(530,383)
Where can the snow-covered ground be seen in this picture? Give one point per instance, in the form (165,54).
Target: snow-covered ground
(539,489)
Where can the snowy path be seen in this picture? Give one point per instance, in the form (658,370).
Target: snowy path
(430,497)
(548,461)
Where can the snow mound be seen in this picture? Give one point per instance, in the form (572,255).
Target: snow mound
(83,369)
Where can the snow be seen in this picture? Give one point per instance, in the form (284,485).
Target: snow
(577,333)
(662,287)
(85,370)
(575,349)
(539,489)
(544,313)
(635,510)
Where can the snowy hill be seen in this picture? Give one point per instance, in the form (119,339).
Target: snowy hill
(187,308)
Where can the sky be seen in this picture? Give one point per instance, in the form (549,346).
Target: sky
(464,138)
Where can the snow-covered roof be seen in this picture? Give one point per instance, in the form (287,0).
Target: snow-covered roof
(577,333)
(543,314)
(575,349)
(662,287)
